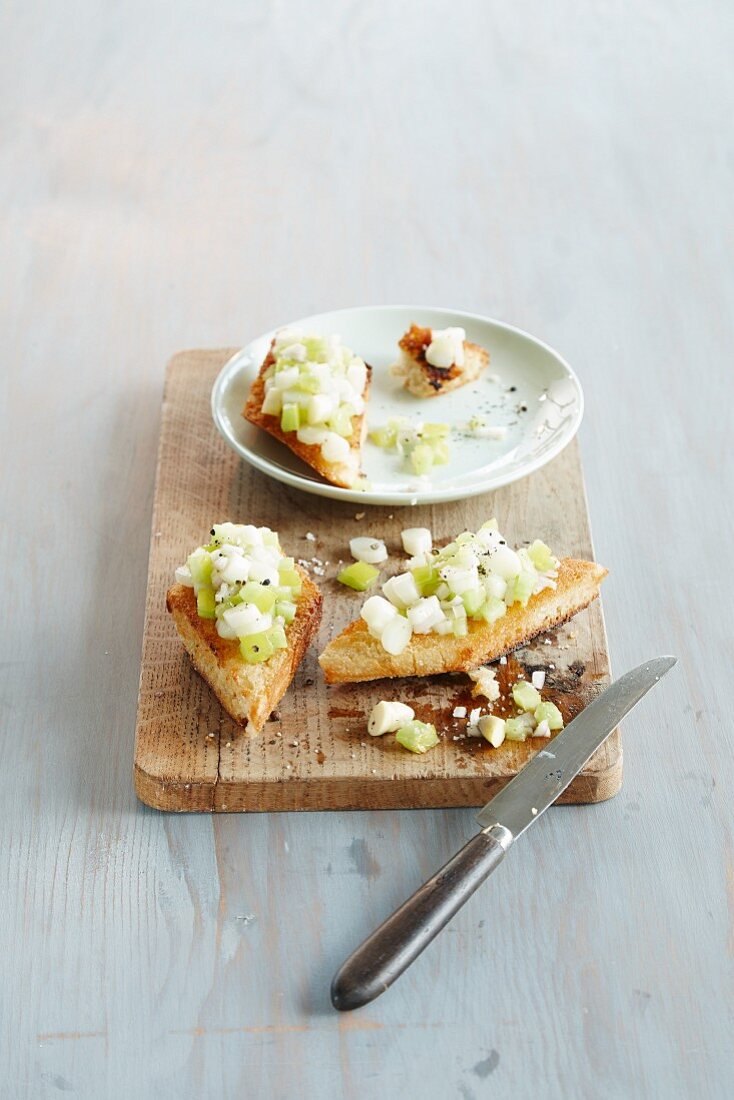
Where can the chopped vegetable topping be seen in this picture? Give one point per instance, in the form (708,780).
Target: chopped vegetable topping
(389,717)
(243,582)
(368,549)
(525,695)
(316,386)
(417,736)
(359,576)
(475,578)
(423,445)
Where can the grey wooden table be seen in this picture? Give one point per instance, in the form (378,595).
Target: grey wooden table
(189,175)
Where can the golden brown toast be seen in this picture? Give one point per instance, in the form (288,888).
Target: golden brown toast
(424,380)
(355,655)
(344,474)
(249,693)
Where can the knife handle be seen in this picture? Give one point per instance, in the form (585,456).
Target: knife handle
(399,940)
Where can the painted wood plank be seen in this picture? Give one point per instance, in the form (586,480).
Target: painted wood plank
(182,176)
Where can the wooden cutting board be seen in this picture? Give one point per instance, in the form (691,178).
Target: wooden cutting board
(315,753)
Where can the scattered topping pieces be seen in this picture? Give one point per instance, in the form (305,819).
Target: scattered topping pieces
(423,445)
(525,695)
(549,712)
(474,715)
(310,536)
(416,541)
(459,712)
(368,549)
(417,736)
(492,729)
(519,729)
(446,348)
(485,683)
(538,679)
(387,717)
(359,576)
(482,429)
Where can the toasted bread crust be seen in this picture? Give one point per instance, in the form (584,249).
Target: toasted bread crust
(355,655)
(344,474)
(249,693)
(424,380)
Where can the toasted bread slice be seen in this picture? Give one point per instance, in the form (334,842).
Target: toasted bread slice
(355,655)
(424,380)
(249,693)
(345,473)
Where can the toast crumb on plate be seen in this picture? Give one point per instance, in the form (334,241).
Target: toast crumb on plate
(417,366)
(343,470)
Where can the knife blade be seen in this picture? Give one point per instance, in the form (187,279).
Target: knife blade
(392,947)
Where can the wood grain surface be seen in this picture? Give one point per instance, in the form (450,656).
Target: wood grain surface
(317,755)
(183,175)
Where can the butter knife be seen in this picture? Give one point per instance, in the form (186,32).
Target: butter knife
(399,940)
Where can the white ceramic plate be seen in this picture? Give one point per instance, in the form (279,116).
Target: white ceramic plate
(538,398)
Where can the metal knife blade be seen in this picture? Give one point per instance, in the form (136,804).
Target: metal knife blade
(551,770)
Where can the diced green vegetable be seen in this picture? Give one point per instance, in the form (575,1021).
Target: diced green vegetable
(263,596)
(518,729)
(441,452)
(292,579)
(433,432)
(541,556)
(524,584)
(256,648)
(427,579)
(417,736)
(421,459)
(341,421)
(290,418)
(493,609)
(287,609)
(473,600)
(276,637)
(386,436)
(525,695)
(359,575)
(307,384)
(549,712)
(200,567)
(317,348)
(205,603)
(459,628)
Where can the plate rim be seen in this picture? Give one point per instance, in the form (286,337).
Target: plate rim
(397,499)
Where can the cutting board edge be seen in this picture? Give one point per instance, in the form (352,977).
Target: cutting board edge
(330,793)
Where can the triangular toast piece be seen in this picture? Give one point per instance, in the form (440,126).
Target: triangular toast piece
(355,655)
(345,474)
(249,693)
(423,380)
